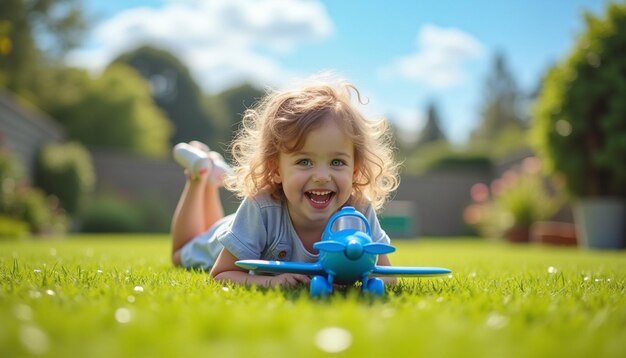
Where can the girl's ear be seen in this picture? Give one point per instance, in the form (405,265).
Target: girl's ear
(276,177)
(355,173)
(273,167)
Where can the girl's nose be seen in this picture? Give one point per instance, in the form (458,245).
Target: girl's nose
(321,177)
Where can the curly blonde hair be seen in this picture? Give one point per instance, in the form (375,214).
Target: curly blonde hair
(280,123)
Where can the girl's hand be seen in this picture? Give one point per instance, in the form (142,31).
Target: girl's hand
(289,280)
(226,270)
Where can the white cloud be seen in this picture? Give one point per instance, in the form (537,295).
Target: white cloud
(224,42)
(439,60)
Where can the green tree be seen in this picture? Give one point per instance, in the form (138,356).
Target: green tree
(64,86)
(33,36)
(432,129)
(227,109)
(501,111)
(401,145)
(579,128)
(174,91)
(116,111)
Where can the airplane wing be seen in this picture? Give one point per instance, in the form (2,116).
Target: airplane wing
(409,271)
(282,267)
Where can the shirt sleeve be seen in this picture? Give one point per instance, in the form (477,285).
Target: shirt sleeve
(378,234)
(247,236)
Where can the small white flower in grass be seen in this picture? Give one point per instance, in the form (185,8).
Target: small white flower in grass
(225,289)
(333,339)
(23,312)
(99,271)
(587,278)
(497,321)
(388,312)
(138,289)
(599,319)
(37,270)
(552,270)
(123,315)
(34,340)
(34,294)
(50,293)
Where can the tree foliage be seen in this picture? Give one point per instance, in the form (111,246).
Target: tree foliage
(114,111)
(227,109)
(579,126)
(23,207)
(440,155)
(195,116)
(175,91)
(66,171)
(501,110)
(432,129)
(33,35)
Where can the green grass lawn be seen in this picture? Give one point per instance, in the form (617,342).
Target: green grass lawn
(118,296)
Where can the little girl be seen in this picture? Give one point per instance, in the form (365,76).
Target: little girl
(300,156)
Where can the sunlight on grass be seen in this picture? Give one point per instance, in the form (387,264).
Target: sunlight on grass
(106,296)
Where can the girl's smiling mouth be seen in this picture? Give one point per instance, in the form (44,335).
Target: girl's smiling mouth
(319,198)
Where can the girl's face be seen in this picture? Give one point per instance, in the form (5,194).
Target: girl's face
(317,179)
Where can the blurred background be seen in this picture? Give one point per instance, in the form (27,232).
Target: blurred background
(484,98)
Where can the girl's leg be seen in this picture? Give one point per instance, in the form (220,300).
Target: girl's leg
(213,209)
(188,220)
(199,206)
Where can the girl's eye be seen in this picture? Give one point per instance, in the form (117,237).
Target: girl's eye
(305,162)
(337,162)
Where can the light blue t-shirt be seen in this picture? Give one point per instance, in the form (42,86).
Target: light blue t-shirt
(260,229)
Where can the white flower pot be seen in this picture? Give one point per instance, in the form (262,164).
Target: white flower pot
(600,222)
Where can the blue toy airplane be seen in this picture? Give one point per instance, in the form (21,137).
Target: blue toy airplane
(346,255)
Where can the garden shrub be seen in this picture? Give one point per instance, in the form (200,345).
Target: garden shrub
(10,168)
(517,199)
(11,228)
(41,212)
(23,203)
(66,171)
(113,212)
(441,156)
(109,212)
(154,214)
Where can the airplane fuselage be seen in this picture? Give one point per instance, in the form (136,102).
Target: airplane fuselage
(351,265)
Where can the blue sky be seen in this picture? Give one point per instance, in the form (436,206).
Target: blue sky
(400,54)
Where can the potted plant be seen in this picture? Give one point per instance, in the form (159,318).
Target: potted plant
(579,127)
(513,202)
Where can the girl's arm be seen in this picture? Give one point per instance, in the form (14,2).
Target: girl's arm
(225,270)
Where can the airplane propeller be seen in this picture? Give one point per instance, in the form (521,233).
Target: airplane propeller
(377,248)
(330,246)
(354,249)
